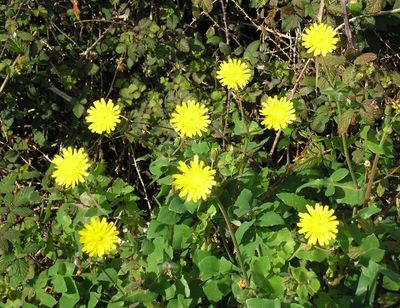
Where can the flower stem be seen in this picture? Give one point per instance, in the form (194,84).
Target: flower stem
(235,243)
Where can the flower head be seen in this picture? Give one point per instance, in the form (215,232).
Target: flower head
(319,224)
(195,180)
(278,112)
(233,74)
(103,116)
(98,237)
(190,119)
(71,167)
(396,105)
(320,39)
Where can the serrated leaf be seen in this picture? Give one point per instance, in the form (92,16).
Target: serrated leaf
(27,195)
(7,183)
(373,6)
(10,234)
(19,269)
(206,5)
(331,60)
(365,58)
(22,211)
(5,262)
(344,121)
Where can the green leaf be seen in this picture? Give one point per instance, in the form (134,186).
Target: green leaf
(167,217)
(368,212)
(370,249)
(206,5)
(19,269)
(216,289)
(241,231)
(7,183)
(312,255)
(209,267)
(339,174)
(182,234)
(243,203)
(374,147)
(59,284)
(11,234)
(263,302)
(293,200)
(251,53)
(69,300)
(177,205)
(45,299)
(344,120)
(22,211)
(373,6)
(26,195)
(290,22)
(275,285)
(261,270)
(108,274)
(366,287)
(78,110)
(269,219)
(5,262)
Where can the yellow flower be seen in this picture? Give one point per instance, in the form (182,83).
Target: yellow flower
(241,283)
(396,105)
(195,180)
(320,39)
(319,224)
(103,116)
(190,119)
(98,237)
(234,74)
(278,112)
(71,167)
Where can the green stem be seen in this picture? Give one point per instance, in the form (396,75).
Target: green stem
(224,242)
(346,151)
(181,142)
(247,136)
(115,284)
(235,243)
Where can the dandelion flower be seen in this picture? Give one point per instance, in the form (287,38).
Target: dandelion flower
(278,112)
(71,167)
(99,237)
(319,224)
(233,74)
(320,39)
(195,180)
(103,116)
(190,119)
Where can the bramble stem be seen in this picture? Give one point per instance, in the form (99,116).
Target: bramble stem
(278,134)
(386,126)
(235,243)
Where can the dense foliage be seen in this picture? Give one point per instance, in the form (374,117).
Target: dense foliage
(240,245)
